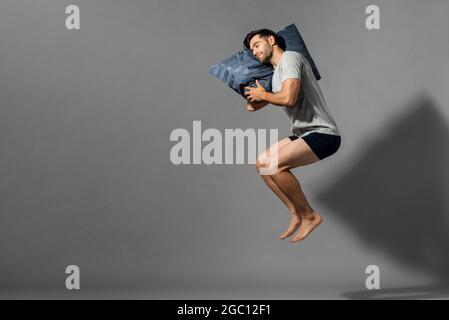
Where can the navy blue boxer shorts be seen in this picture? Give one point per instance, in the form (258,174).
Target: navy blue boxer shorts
(322,144)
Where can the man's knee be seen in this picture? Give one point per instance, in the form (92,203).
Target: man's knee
(260,162)
(269,166)
(263,161)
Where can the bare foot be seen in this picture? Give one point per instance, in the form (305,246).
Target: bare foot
(309,223)
(295,222)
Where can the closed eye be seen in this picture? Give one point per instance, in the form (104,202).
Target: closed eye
(256,45)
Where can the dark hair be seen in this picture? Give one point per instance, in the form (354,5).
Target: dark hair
(264,33)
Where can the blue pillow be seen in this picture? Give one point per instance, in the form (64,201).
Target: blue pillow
(294,42)
(242,68)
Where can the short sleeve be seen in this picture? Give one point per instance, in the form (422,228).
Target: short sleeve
(291,67)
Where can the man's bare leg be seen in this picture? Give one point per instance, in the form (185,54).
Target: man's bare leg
(295,220)
(300,210)
(291,155)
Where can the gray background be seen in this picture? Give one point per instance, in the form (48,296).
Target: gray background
(86,179)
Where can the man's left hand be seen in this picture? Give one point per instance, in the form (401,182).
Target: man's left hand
(255,94)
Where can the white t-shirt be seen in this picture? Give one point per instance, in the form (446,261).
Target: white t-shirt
(310,113)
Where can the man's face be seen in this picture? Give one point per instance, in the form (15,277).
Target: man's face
(262,48)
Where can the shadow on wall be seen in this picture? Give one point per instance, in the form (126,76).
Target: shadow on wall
(395,197)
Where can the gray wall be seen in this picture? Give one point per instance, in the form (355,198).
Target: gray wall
(85,174)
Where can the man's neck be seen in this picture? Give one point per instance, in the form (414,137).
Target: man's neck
(277,54)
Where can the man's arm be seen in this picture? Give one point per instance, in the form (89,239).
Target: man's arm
(254,106)
(290,68)
(287,96)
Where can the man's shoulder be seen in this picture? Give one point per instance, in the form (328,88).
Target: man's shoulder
(293,56)
(289,52)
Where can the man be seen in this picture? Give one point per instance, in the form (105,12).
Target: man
(315,135)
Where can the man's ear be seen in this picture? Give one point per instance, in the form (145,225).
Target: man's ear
(271,40)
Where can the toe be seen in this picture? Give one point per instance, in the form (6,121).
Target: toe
(289,232)
(286,234)
(297,237)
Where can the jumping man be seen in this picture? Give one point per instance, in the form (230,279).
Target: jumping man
(315,135)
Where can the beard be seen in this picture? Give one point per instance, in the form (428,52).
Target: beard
(266,58)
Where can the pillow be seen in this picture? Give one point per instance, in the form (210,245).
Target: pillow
(294,42)
(242,68)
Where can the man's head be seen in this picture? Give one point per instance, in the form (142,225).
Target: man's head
(262,42)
